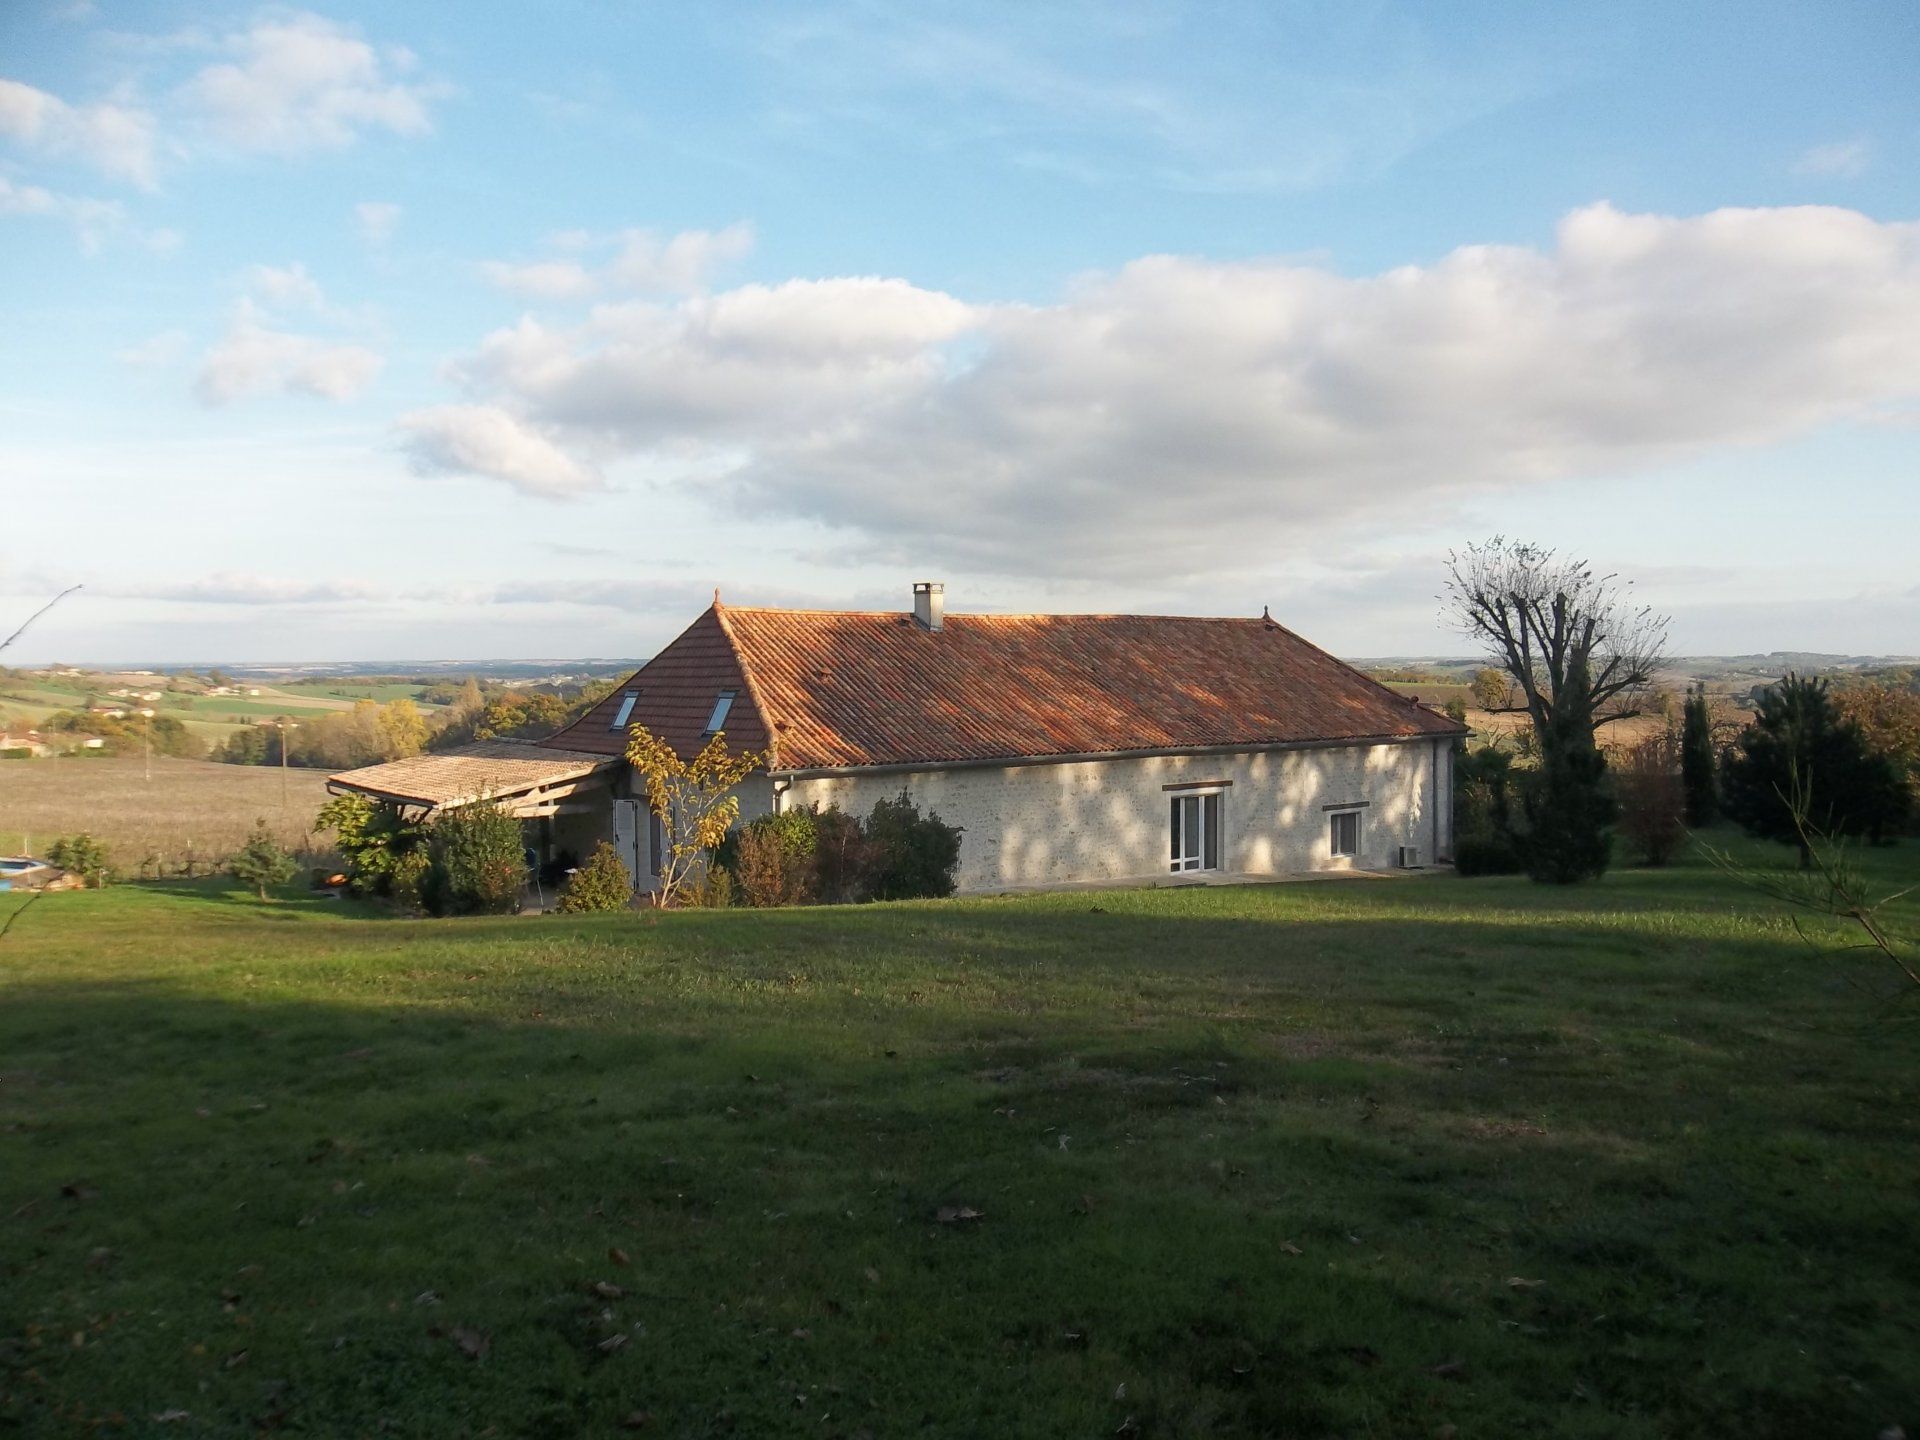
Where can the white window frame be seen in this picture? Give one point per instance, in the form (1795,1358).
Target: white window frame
(1333,833)
(722,707)
(1195,863)
(625,712)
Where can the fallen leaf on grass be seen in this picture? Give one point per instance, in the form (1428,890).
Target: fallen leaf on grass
(619,1256)
(873,1275)
(611,1344)
(606,1290)
(233,1361)
(77,1190)
(1287,1247)
(636,1420)
(473,1343)
(99,1258)
(171,1417)
(956,1214)
(1514,1282)
(1449,1370)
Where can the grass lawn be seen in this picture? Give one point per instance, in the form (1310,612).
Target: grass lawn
(1333,1159)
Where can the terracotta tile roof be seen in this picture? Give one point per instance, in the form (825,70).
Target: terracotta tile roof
(487,768)
(676,694)
(845,689)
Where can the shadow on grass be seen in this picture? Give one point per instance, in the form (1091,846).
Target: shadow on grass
(1268,1177)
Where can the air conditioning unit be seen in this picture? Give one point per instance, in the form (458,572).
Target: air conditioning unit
(1409,857)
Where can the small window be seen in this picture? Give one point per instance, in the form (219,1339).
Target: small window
(1346,832)
(627,702)
(720,708)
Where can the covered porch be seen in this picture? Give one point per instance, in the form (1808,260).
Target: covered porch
(563,797)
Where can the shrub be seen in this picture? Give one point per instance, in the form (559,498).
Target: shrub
(407,880)
(476,862)
(373,840)
(915,855)
(261,862)
(843,858)
(1800,746)
(1486,855)
(711,890)
(1653,798)
(1484,842)
(84,856)
(772,859)
(600,884)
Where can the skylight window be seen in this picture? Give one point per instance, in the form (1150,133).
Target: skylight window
(720,708)
(627,702)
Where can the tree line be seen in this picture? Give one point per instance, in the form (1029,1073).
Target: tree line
(371,732)
(1570,649)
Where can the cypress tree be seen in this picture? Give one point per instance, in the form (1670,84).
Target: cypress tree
(1697,761)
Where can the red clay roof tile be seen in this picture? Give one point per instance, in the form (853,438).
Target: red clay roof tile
(848,689)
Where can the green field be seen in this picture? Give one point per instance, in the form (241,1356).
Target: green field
(1360,1159)
(212,717)
(349,691)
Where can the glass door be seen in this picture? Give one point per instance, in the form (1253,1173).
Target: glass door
(1194,832)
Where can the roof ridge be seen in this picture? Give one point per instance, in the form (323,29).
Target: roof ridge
(1001,614)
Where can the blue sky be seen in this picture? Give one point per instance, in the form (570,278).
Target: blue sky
(354,333)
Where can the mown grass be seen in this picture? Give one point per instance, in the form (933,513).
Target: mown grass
(1329,1159)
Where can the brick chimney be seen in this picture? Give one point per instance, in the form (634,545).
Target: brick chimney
(929,604)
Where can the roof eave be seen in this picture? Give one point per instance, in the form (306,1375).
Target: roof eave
(1001,762)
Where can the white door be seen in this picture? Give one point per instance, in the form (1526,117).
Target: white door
(1194,831)
(626,838)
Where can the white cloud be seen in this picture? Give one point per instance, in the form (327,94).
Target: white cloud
(483,440)
(377,220)
(645,262)
(258,355)
(241,588)
(300,82)
(93,220)
(1845,159)
(540,280)
(1153,406)
(285,287)
(679,263)
(253,358)
(116,139)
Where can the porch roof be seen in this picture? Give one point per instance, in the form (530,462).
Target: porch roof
(498,770)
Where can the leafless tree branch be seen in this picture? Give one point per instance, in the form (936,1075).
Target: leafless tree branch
(36,615)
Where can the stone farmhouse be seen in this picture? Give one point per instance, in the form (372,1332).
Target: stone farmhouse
(1068,748)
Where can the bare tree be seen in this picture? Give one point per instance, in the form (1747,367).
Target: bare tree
(1577,648)
(36,615)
